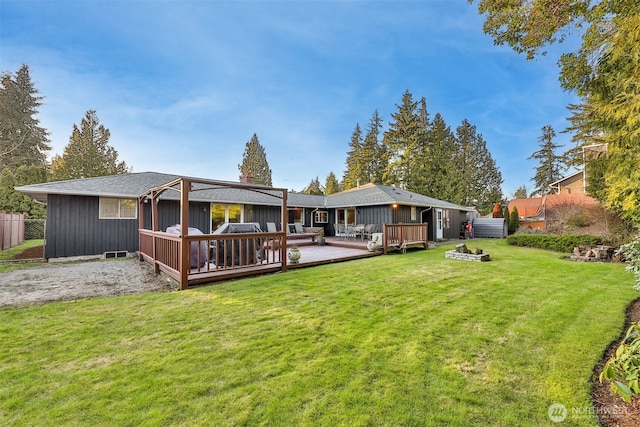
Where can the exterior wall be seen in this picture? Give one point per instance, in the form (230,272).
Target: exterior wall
(169,215)
(572,185)
(456,219)
(262,215)
(74,229)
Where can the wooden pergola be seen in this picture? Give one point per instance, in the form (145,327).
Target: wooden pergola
(170,253)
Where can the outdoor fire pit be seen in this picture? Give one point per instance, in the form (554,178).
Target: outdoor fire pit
(461,252)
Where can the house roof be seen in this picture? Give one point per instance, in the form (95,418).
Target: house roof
(135,185)
(378,194)
(535,208)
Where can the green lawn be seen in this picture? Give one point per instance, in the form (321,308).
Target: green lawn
(399,340)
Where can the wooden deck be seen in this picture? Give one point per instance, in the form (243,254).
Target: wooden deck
(335,250)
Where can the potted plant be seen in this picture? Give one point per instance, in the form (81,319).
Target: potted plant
(321,240)
(294,254)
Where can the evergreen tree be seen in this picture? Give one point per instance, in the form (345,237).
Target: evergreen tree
(506,216)
(22,140)
(419,154)
(88,153)
(514,221)
(438,161)
(332,185)
(478,179)
(355,173)
(314,187)
(551,164)
(400,141)
(521,192)
(12,201)
(254,162)
(373,151)
(497,211)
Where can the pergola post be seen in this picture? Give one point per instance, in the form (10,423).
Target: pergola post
(185,263)
(284,219)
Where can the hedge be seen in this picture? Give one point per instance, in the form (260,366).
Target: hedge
(554,242)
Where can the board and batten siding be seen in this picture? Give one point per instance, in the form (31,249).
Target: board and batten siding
(169,215)
(75,229)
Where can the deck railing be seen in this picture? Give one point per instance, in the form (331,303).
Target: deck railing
(401,236)
(211,256)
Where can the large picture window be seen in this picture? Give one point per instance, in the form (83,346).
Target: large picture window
(112,208)
(225,213)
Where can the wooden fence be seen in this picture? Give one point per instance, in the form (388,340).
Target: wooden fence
(11,230)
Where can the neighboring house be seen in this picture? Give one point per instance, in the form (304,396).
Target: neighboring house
(552,210)
(572,184)
(568,206)
(97,215)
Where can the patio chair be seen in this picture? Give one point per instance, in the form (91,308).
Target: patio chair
(271,227)
(368,231)
(341,231)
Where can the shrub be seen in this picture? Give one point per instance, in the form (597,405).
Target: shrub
(622,370)
(578,220)
(554,242)
(631,252)
(514,220)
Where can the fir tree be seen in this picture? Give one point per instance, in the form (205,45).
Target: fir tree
(521,192)
(399,141)
(254,162)
(314,187)
(331,185)
(373,151)
(478,179)
(88,153)
(355,173)
(551,165)
(22,140)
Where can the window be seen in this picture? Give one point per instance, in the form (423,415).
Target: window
(112,208)
(295,215)
(413,213)
(346,216)
(321,217)
(225,213)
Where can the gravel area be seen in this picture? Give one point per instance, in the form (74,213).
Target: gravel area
(81,279)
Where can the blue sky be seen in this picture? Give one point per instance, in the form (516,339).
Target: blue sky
(183,85)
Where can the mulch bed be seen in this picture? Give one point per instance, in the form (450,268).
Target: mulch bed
(611,409)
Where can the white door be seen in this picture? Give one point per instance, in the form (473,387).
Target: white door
(439,234)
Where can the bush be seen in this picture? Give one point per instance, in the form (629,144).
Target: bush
(631,252)
(554,242)
(622,370)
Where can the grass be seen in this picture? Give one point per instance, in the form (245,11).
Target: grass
(11,253)
(412,339)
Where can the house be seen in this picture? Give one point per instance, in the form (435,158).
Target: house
(97,215)
(571,184)
(556,210)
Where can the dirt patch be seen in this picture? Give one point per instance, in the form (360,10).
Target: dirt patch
(37,252)
(610,409)
(86,279)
